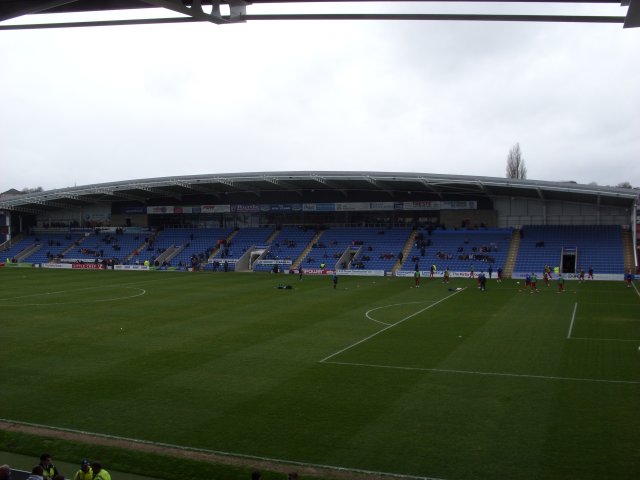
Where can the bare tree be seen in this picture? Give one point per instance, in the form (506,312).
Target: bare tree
(624,185)
(32,189)
(515,163)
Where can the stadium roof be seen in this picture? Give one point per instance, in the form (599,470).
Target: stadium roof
(310,187)
(192,11)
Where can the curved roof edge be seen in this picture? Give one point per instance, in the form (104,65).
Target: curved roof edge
(215,185)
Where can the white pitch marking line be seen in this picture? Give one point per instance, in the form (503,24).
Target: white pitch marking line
(143,292)
(606,339)
(573,317)
(386,306)
(113,285)
(33,295)
(491,374)
(389,326)
(218,452)
(635,288)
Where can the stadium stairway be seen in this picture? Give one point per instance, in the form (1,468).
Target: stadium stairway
(133,253)
(405,252)
(627,249)
(232,235)
(273,236)
(142,247)
(512,256)
(73,245)
(216,250)
(306,251)
(27,252)
(169,253)
(14,239)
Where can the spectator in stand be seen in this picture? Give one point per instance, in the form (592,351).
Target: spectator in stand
(85,472)
(5,472)
(98,472)
(48,468)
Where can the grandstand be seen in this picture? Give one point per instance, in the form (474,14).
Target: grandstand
(573,247)
(352,222)
(461,250)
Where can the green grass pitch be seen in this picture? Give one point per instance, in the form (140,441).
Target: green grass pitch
(374,375)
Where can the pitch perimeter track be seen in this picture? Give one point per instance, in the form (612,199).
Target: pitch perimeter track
(207,456)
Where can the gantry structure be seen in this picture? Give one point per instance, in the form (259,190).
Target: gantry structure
(222,12)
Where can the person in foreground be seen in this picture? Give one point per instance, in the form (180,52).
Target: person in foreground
(49,470)
(36,473)
(85,472)
(98,472)
(5,472)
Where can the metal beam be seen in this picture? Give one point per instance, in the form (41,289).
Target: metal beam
(32,7)
(202,189)
(379,186)
(115,193)
(237,186)
(271,180)
(348,16)
(330,184)
(195,11)
(428,184)
(50,203)
(33,211)
(633,14)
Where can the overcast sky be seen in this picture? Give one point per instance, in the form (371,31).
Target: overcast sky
(90,105)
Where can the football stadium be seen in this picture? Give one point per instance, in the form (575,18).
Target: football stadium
(332,324)
(316,324)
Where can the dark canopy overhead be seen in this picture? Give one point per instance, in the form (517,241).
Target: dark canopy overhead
(240,11)
(312,187)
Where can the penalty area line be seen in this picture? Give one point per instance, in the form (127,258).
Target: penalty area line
(488,374)
(573,317)
(389,326)
(632,340)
